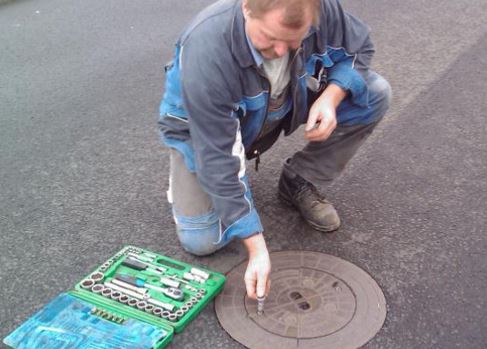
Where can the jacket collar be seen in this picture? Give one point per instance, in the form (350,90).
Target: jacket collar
(239,43)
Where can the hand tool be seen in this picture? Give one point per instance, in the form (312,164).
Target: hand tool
(169,282)
(126,291)
(136,263)
(138,257)
(150,255)
(193,277)
(202,274)
(170,292)
(141,265)
(188,285)
(260,305)
(126,285)
(163,305)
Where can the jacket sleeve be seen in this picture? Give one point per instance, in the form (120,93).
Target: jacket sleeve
(350,48)
(208,90)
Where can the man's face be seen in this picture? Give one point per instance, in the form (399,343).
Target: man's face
(270,37)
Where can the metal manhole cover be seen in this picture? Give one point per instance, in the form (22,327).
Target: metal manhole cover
(316,301)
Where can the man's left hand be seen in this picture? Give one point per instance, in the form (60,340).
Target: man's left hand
(322,118)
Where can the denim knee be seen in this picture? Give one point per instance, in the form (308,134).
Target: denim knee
(199,235)
(380,94)
(349,114)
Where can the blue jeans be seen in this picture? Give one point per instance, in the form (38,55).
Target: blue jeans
(198,226)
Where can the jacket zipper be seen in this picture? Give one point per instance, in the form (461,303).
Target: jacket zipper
(256,152)
(298,51)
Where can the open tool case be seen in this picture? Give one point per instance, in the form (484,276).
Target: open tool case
(135,300)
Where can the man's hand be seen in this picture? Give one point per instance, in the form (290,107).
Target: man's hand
(322,115)
(256,276)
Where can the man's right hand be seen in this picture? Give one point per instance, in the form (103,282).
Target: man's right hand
(258,270)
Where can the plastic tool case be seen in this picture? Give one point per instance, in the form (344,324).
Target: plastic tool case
(135,300)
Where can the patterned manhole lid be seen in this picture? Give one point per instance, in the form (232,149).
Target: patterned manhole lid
(316,301)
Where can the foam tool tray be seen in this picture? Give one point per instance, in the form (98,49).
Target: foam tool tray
(135,300)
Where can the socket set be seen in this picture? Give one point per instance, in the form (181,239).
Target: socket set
(151,287)
(139,285)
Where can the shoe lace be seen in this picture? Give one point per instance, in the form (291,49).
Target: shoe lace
(305,186)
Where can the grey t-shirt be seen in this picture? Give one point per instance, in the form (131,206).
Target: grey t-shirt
(278,72)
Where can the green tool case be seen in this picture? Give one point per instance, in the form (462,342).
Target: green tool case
(135,300)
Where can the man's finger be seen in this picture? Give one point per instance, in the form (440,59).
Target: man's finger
(312,120)
(268,288)
(261,285)
(322,132)
(250,286)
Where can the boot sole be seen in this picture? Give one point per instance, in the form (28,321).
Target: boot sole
(320,228)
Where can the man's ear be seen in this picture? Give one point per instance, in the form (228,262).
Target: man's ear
(245,9)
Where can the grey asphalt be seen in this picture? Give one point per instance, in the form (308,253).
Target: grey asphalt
(82,172)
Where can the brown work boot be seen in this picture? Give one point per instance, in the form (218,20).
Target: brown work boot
(304,196)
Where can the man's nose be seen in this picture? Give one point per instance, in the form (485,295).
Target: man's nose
(281,48)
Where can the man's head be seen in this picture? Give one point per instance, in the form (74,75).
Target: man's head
(277,26)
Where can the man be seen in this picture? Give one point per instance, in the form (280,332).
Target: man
(243,72)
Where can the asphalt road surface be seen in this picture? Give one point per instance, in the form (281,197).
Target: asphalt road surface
(82,172)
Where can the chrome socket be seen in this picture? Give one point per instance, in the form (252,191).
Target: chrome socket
(97,277)
(157,311)
(132,302)
(165,314)
(87,284)
(115,295)
(149,308)
(107,292)
(172,317)
(141,305)
(97,288)
(124,299)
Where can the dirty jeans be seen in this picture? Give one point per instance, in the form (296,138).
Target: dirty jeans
(198,225)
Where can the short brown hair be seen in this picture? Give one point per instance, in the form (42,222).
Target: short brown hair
(294,10)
